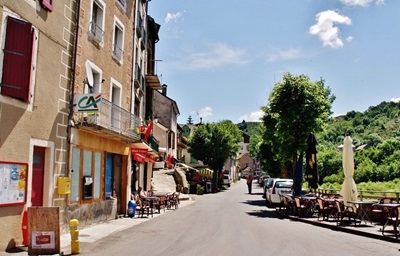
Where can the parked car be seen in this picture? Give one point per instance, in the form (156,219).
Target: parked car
(227,180)
(268,183)
(262,179)
(279,186)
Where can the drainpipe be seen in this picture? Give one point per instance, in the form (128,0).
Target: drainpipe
(133,59)
(72,84)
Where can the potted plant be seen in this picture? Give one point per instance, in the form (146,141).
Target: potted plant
(200,189)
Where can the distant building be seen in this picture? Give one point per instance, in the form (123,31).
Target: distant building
(166,111)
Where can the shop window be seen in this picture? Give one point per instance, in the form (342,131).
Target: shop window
(85,175)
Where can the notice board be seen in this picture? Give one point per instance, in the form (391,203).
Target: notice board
(13,177)
(43,230)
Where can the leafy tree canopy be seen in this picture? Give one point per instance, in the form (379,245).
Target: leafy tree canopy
(214,143)
(297,107)
(375,134)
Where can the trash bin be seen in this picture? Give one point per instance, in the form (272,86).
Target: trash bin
(131,208)
(208,187)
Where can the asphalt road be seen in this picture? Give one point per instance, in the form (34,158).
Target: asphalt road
(233,222)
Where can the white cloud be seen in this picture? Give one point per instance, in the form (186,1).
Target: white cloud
(253,117)
(397,100)
(326,28)
(218,55)
(349,39)
(172,17)
(288,54)
(205,112)
(362,3)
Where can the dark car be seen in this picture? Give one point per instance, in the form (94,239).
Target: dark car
(268,184)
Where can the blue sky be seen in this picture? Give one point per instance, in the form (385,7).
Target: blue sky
(221,58)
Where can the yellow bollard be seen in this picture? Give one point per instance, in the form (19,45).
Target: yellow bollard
(75,244)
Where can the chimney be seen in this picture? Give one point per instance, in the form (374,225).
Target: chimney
(164,89)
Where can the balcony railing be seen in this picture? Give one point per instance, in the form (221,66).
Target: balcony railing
(116,121)
(96,32)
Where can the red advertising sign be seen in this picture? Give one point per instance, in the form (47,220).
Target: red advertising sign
(142,151)
(43,239)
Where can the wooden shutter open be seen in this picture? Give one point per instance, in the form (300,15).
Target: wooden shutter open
(47,4)
(17,63)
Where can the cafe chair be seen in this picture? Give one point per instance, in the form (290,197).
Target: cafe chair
(173,200)
(381,211)
(289,205)
(344,211)
(143,206)
(393,220)
(283,205)
(161,203)
(301,207)
(324,208)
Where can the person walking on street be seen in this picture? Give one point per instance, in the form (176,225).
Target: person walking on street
(249,181)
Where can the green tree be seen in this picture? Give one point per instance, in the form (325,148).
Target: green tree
(299,107)
(255,143)
(190,120)
(329,162)
(214,143)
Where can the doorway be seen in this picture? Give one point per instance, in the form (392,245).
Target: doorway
(38,176)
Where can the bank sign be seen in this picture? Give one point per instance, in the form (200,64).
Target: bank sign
(87,102)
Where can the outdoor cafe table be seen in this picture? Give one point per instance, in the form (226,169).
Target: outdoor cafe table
(151,200)
(363,208)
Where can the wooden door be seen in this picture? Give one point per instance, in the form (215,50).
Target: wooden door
(38,176)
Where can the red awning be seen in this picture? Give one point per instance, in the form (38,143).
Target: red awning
(150,160)
(139,158)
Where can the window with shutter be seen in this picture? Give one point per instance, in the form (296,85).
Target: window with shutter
(47,4)
(17,63)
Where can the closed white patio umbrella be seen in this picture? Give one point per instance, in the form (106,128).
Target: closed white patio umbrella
(349,188)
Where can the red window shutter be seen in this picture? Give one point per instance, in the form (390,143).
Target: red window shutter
(47,4)
(17,61)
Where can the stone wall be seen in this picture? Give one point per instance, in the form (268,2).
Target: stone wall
(89,214)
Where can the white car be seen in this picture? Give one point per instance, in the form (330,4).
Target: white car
(227,180)
(279,186)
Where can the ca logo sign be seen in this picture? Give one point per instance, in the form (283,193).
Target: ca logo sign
(87,102)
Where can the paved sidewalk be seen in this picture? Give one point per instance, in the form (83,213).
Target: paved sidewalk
(96,232)
(371,230)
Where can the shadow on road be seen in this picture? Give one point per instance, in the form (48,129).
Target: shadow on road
(256,202)
(263,212)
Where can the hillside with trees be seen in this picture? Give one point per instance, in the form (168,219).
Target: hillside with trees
(376,138)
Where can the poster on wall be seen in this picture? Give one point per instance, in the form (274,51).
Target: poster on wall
(13,177)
